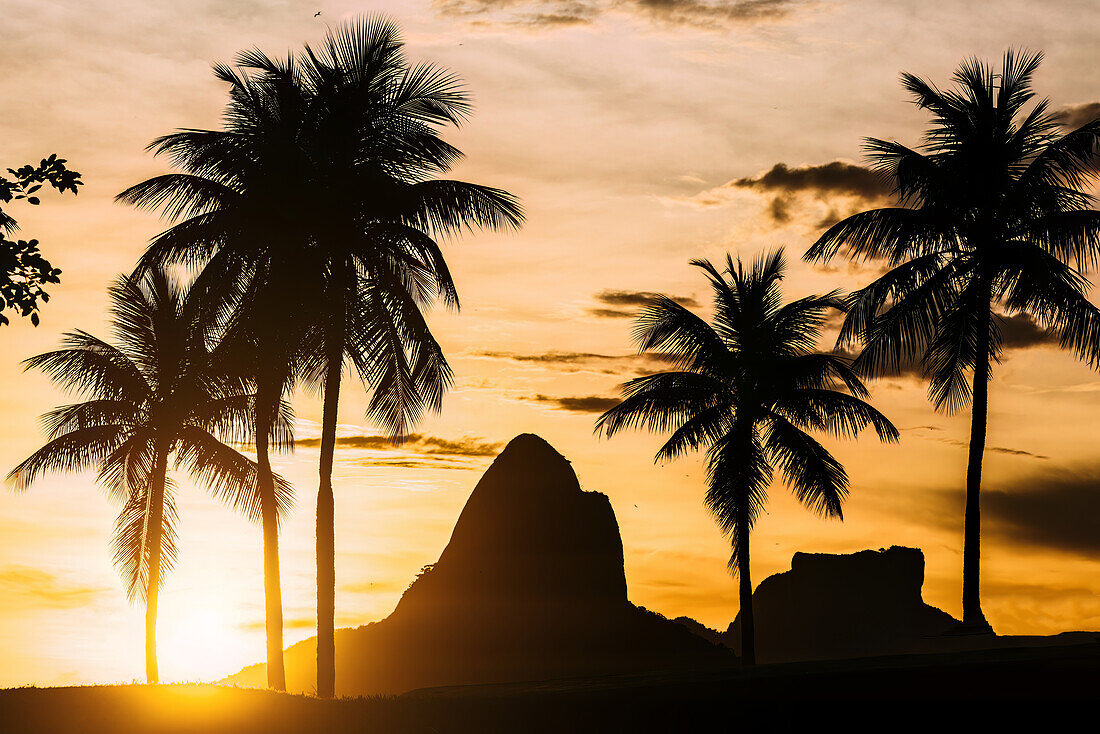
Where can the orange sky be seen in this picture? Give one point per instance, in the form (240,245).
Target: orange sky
(636,133)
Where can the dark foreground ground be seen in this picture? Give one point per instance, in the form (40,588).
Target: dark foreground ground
(1007,688)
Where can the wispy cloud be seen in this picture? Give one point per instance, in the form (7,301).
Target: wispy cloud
(41,588)
(292,623)
(576,404)
(610,364)
(549,14)
(414,442)
(619,304)
(989,449)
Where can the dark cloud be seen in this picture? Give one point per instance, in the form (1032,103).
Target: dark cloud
(842,188)
(625,304)
(837,177)
(577,404)
(824,182)
(1020,331)
(415,442)
(609,364)
(707,14)
(911,370)
(41,588)
(1058,510)
(1074,116)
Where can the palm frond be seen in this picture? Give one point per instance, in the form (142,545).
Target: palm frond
(817,479)
(72,452)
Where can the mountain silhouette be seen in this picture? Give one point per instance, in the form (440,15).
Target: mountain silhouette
(844,606)
(530,587)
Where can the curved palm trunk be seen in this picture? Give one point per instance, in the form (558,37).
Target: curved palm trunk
(326,536)
(273,594)
(154,527)
(748,626)
(972,602)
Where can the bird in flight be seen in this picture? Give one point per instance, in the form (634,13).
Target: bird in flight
(317,13)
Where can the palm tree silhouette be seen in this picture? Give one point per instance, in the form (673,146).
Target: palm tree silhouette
(158,394)
(993,215)
(343,143)
(239,214)
(746,388)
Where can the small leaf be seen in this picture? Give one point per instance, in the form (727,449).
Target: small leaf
(34,319)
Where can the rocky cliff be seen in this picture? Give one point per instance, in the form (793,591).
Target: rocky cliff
(530,587)
(844,606)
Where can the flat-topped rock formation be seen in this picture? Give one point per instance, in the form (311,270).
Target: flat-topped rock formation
(844,606)
(530,587)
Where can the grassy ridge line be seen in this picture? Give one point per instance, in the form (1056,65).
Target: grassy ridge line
(771,696)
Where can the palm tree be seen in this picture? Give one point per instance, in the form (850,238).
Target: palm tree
(346,138)
(157,395)
(239,208)
(993,217)
(747,387)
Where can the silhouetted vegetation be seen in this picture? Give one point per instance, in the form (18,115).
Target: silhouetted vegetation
(24,272)
(746,388)
(157,394)
(309,229)
(316,214)
(993,218)
(981,689)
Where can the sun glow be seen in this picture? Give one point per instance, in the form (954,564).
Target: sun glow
(201,644)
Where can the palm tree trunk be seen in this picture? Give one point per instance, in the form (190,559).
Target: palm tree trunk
(748,626)
(154,525)
(273,594)
(972,602)
(326,540)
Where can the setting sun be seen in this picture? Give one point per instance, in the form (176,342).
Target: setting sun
(200,644)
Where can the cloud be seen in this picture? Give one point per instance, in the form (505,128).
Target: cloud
(41,588)
(966,444)
(577,404)
(1020,331)
(837,177)
(1075,115)
(292,623)
(415,442)
(608,364)
(549,14)
(625,304)
(990,449)
(843,188)
(1057,509)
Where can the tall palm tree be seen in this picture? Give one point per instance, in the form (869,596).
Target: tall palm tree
(156,396)
(346,138)
(241,216)
(994,217)
(747,387)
